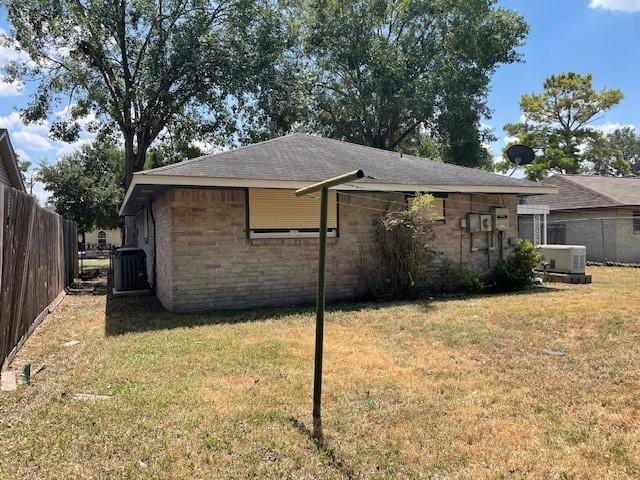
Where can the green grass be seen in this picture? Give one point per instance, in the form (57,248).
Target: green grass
(93,263)
(455,388)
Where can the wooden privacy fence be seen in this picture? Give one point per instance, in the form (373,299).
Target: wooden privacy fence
(38,259)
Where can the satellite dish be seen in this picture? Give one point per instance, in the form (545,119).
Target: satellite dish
(519,154)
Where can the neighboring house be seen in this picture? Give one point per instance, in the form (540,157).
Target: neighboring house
(103,239)
(602,213)
(226,230)
(9,170)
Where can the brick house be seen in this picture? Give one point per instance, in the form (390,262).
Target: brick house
(226,231)
(601,213)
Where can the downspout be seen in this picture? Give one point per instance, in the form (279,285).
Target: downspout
(153,273)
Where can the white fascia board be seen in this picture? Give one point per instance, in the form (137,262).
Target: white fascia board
(533,209)
(184,181)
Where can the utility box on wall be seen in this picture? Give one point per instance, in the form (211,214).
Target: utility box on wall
(486,223)
(473,222)
(501,219)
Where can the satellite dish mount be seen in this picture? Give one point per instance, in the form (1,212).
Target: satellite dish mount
(520,155)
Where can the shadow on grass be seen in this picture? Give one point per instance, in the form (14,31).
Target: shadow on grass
(456,297)
(325,451)
(94,286)
(146,313)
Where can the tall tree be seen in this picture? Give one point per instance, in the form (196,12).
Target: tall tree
(86,185)
(626,141)
(389,72)
(601,157)
(558,122)
(141,65)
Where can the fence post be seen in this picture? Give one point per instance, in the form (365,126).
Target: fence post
(2,222)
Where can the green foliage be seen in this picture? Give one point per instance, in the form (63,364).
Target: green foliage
(453,277)
(603,158)
(626,142)
(86,186)
(389,74)
(174,147)
(516,272)
(141,66)
(557,122)
(616,154)
(403,243)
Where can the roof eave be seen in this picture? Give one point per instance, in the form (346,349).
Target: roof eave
(12,164)
(185,181)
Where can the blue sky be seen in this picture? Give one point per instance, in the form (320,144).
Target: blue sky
(597,36)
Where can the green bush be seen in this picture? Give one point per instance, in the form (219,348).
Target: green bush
(453,277)
(516,272)
(401,253)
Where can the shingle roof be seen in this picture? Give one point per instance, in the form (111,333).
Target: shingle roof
(589,191)
(306,157)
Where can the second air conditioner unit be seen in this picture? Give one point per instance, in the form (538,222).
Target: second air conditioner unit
(563,258)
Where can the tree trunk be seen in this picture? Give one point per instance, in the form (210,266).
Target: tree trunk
(130,237)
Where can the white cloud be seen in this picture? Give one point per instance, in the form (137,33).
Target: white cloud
(24,156)
(618,5)
(84,122)
(10,89)
(610,127)
(68,148)
(507,139)
(40,193)
(9,51)
(31,140)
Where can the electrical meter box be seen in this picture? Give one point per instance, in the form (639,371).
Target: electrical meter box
(473,222)
(501,219)
(486,223)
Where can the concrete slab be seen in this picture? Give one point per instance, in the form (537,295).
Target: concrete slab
(8,381)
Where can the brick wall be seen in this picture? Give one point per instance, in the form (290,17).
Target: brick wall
(205,260)
(607,233)
(160,210)
(627,240)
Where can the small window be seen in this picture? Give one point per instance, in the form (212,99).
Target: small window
(278,213)
(636,221)
(102,238)
(436,208)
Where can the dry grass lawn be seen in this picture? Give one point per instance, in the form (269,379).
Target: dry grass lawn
(462,388)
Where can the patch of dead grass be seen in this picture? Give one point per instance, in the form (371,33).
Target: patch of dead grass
(456,388)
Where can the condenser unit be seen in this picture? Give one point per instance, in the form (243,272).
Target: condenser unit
(563,258)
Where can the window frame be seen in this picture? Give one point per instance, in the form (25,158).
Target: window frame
(282,233)
(443,196)
(635,222)
(102,242)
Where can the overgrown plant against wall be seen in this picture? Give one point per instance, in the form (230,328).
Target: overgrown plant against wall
(403,242)
(454,277)
(516,271)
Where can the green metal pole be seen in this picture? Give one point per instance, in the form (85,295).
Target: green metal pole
(320,306)
(320,300)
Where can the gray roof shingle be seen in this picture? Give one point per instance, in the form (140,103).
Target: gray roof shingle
(306,157)
(589,191)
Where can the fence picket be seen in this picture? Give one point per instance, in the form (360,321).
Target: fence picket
(38,259)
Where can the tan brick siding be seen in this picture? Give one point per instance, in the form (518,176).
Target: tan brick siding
(205,260)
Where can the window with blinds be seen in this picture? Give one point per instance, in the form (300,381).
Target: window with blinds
(436,207)
(277,213)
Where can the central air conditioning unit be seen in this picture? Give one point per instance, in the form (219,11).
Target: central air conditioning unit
(563,258)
